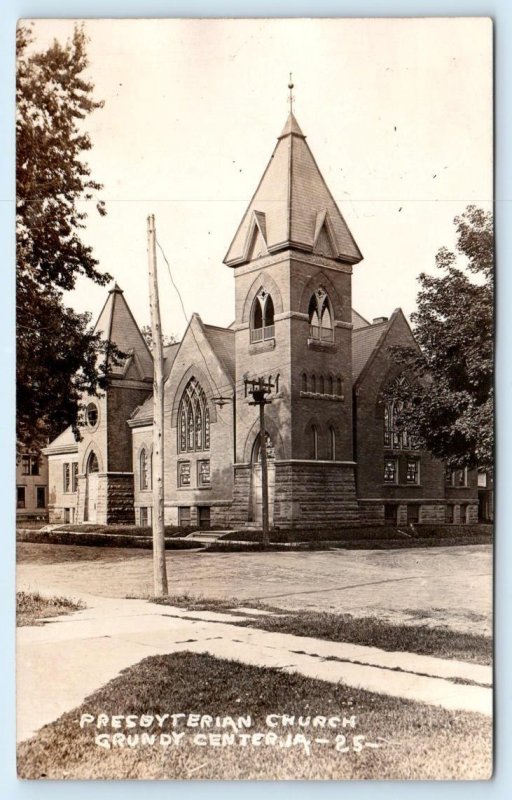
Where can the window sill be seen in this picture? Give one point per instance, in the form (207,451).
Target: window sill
(194,488)
(338,398)
(318,344)
(262,347)
(404,485)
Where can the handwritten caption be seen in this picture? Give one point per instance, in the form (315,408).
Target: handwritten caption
(202,730)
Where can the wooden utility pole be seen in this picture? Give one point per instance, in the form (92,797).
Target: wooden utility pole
(157,517)
(259,391)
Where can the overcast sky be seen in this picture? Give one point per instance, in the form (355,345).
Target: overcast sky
(398,114)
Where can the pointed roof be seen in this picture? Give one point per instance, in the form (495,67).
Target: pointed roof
(292,207)
(116,324)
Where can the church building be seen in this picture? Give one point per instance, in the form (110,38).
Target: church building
(335,455)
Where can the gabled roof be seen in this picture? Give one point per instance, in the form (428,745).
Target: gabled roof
(364,342)
(64,443)
(367,342)
(292,207)
(170,351)
(358,321)
(117,325)
(222,343)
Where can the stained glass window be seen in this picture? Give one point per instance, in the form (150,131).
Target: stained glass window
(390,470)
(413,471)
(193,419)
(184,473)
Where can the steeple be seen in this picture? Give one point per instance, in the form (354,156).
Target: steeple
(116,324)
(292,208)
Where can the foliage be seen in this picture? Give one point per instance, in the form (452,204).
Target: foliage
(148,336)
(449,403)
(58,356)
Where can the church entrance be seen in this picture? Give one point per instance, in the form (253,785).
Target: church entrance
(256,483)
(91,489)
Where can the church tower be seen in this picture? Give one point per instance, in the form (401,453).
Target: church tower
(105,470)
(292,258)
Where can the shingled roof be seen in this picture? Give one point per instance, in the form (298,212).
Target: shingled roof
(116,324)
(364,342)
(292,207)
(222,342)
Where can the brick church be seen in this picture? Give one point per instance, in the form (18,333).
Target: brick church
(335,454)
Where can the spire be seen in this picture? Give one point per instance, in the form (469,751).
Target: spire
(292,207)
(117,325)
(291,97)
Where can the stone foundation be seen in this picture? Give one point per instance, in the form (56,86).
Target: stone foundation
(319,493)
(119,505)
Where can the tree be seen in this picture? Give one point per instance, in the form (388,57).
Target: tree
(448,404)
(58,355)
(148,337)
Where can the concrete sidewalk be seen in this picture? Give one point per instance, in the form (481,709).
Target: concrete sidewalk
(84,650)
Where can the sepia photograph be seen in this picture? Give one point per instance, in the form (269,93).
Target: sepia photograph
(254,399)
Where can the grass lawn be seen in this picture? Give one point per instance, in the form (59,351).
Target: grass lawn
(31,607)
(401,739)
(367,631)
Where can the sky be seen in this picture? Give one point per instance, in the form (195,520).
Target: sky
(397,112)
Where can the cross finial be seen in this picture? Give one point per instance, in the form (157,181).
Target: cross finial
(291,97)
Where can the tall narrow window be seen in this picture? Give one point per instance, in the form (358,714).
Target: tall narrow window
(321,385)
(332,444)
(320,316)
(314,442)
(67,477)
(193,419)
(144,469)
(304,382)
(313,384)
(262,317)
(330,385)
(396,438)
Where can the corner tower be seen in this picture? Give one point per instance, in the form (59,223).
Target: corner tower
(292,257)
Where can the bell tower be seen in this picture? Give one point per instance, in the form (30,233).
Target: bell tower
(292,258)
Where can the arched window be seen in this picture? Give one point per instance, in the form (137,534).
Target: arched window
(320,316)
(339,387)
(193,419)
(256,451)
(144,469)
(332,444)
(304,382)
(321,386)
(92,463)
(394,437)
(314,442)
(262,317)
(313,384)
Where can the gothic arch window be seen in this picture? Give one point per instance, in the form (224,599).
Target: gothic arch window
(144,470)
(313,384)
(271,450)
(262,317)
(332,444)
(193,419)
(320,316)
(321,385)
(304,382)
(339,387)
(394,437)
(330,385)
(314,442)
(92,463)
